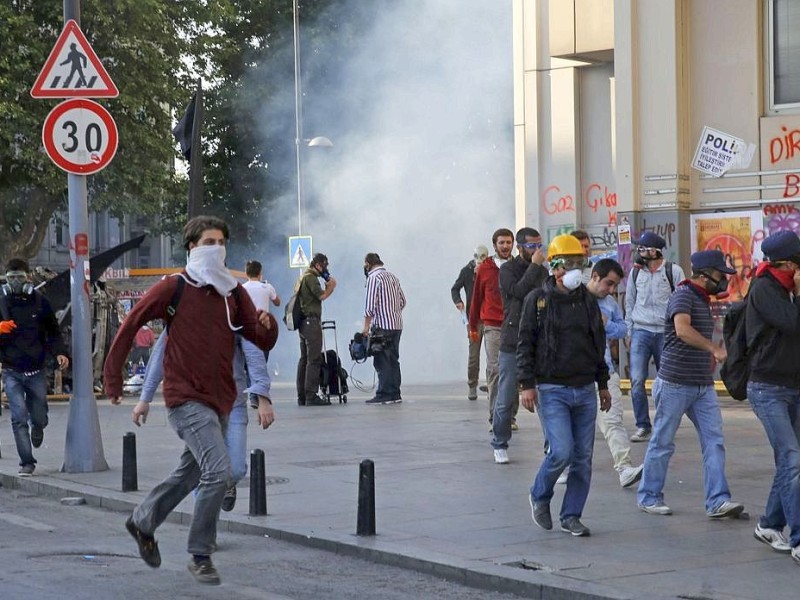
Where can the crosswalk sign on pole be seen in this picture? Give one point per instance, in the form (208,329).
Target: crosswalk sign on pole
(73,69)
(299,251)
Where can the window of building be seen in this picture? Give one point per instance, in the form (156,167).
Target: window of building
(783,38)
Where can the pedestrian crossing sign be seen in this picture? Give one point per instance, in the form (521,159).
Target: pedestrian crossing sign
(73,69)
(299,251)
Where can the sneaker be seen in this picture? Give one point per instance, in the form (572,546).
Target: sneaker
(229,499)
(473,394)
(317,400)
(514,426)
(540,512)
(204,571)
(484,388)
(659,508)
(727,509)
(26,470)
(562,479)
(574,526)
(796,554)
(630,475)
(773,538)
(148,546)
(301,401)
(642,435)
(37,436)
(501,456)
(375,400)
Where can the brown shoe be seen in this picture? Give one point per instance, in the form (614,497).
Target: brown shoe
(148,546)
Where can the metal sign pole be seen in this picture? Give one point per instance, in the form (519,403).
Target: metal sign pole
(83,452)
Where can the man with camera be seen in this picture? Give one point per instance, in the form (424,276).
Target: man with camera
(310,294)
(383,308)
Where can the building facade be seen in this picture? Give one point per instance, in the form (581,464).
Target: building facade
(612,101)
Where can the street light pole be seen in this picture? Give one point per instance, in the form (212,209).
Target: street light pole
(298,117)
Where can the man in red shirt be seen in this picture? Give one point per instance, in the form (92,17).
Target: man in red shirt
(487,307)
(199,388)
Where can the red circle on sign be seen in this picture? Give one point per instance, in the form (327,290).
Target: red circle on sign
(80,136)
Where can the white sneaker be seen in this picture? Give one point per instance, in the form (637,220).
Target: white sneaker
(630,475)
(641,435)
(727,509)
(772,538)
(796,554)
(657,508)
(501,456)
(562,479)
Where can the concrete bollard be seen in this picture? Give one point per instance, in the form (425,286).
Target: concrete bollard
(366,498)
(258,484)
(130,476)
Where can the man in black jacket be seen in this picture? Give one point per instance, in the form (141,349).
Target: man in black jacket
(773,346)
(28,333)
(518,276)
(560,358)
(466,280)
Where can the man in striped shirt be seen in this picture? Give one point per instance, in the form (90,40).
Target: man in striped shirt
(383,320)
(685,386)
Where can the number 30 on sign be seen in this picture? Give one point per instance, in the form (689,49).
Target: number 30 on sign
(80,136)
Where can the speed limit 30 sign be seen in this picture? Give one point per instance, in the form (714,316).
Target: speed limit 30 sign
(80,136)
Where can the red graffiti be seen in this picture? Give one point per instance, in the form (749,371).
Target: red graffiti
(779,209)
(596,198)
(784,147)
(553,202)
(792,187)
(612,217)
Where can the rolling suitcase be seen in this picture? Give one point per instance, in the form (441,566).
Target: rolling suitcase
(333,378)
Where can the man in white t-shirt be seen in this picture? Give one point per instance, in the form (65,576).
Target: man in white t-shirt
(262,293)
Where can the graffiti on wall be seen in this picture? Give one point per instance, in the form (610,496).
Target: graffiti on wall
(780,150)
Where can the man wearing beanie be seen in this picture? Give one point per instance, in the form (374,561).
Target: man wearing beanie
(685,386)
(772,321)
(650,284)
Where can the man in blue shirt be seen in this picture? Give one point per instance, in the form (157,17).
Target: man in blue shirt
(685,386)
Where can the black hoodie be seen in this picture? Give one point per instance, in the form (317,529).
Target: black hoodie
(36,335)
(561,339)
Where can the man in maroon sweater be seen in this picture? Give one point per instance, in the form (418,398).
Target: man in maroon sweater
(487,307)
(199,388)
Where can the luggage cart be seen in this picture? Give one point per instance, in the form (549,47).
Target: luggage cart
(333,379)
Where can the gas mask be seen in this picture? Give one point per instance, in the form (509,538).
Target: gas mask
(720,286)
(572,279)
(642,259)
(17,283)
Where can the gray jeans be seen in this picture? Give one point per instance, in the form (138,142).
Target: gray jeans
(474,361)
(204,465)
(491,344)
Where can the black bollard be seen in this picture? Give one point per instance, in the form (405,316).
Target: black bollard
(366,498)
(258,484)
(130,476)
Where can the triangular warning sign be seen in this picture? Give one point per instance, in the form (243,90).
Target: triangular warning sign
(73,70)
(299,259)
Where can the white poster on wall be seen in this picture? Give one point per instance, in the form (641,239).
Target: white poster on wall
(716,152)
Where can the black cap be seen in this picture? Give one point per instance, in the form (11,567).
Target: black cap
(711,259)
(651,240)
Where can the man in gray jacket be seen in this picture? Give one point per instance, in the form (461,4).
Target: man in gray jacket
(466,281)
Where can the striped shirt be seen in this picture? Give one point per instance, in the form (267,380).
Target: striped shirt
(680,362)
(385,300)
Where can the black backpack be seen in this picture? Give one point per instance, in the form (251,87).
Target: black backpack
(735,371)
(667,271)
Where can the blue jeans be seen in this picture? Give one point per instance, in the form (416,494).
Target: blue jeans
(236,439)
(507,399)
(27,398)
(644,345)
(699,403)
(568,415)
(778,409)
(387,365)
(204,464)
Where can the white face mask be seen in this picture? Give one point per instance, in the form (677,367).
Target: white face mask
(206,266)
(572,279)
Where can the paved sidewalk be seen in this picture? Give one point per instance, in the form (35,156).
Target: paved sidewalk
(444,507)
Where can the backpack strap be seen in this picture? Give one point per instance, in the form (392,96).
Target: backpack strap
(667,271)
(176,299)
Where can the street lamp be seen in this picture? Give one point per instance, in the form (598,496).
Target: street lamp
(316,142)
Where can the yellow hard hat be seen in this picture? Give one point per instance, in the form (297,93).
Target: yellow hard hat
(564,245)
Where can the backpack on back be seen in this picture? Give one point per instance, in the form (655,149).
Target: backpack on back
(735,371)
(292,315)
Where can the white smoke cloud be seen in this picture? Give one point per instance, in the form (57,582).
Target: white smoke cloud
(421,172)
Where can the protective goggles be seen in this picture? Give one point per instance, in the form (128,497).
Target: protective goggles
(647,250)
(16,276)
(569,262)
(531,245)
